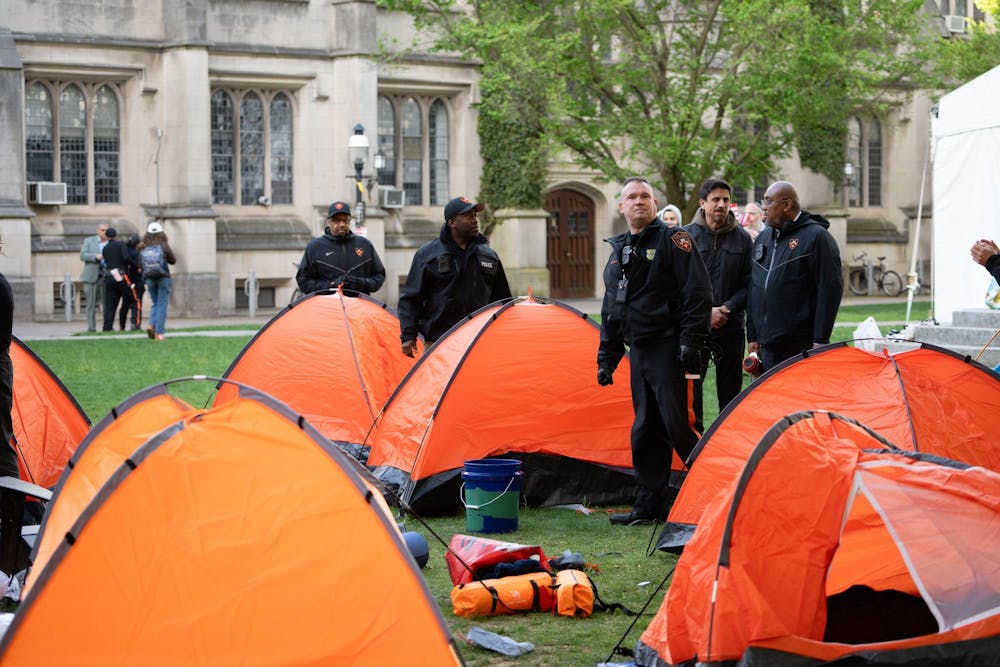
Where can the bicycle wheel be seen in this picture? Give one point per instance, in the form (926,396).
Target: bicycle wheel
(858,282)
(892,284)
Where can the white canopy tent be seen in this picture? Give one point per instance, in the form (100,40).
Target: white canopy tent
(966,191)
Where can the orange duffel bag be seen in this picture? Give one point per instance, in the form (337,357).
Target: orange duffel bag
(574,594)
(507,595)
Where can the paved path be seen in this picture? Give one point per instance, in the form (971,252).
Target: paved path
(61,329)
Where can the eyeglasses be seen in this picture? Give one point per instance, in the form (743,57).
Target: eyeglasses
(626,253)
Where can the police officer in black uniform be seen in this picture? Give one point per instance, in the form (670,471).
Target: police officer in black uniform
(450,277)
(658,300)
(340,257)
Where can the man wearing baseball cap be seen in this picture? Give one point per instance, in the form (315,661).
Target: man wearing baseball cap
(450,277)
(338,257)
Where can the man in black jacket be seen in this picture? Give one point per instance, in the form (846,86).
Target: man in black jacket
(725,248)
(115,288)
(8,458)
(338,256)
(796,281)
(658,300)
(450,277)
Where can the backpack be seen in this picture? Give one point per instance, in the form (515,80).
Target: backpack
(153,261)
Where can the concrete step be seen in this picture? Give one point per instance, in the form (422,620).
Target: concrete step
(970,332)
(976,317)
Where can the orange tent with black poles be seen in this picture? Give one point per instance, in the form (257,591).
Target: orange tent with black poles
(513,380)
(233,534)
(832,545)
(925,399)
(333,358)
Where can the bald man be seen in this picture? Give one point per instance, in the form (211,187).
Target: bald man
(796,280)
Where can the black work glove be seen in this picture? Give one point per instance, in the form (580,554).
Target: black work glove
(690,358)
(352,283)
(604,377)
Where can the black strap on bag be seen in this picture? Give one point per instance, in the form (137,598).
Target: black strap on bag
(601,605)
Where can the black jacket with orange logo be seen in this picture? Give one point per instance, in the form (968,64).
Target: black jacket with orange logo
(667,291)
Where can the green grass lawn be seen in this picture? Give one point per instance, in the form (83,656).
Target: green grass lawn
(101,373)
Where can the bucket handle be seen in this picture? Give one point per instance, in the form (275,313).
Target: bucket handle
(461,495)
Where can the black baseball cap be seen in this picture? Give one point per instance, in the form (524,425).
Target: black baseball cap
(460,205)
(338,207)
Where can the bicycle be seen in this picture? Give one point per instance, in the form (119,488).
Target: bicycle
(889,282)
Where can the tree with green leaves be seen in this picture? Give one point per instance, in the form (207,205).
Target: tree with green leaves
(679,90)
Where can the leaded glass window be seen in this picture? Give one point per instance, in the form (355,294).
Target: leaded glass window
(413,152)
(106,147)
(438,128)
(38,133)
(223,149)
(281,149)
(73,143)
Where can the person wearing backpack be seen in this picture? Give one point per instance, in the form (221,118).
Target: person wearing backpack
(156,256)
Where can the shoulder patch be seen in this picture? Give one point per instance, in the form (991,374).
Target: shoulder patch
(682,240)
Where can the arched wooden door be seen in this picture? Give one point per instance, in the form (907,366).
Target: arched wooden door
(569,244)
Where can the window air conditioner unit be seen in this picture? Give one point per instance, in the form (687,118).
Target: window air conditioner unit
(955,23)
(46,193)
(391,197)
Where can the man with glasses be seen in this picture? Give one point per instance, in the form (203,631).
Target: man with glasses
(339,257)
(753,219)
(657,300)
(450,277)
(92,277)
(796,281)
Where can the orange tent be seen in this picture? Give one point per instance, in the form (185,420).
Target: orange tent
(516,380)
(828,544)
(926,399)
(332,358)
(234,534)
(103,451)
(48,422)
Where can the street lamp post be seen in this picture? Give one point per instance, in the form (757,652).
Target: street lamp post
(357,149)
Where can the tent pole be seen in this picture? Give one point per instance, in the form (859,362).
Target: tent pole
(911,277)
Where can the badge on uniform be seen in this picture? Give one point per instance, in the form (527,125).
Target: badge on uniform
(359,251)
(650,253)
(682,241)
(793,244)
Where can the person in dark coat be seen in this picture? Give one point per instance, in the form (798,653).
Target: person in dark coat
(796,282)
(340,257)
(657,300)
(725,248)
(450,277)
(138,288)
(8,457)
(115,288)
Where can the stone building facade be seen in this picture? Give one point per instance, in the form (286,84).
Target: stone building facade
(229,121)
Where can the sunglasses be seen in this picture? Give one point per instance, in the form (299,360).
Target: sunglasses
(626,254)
